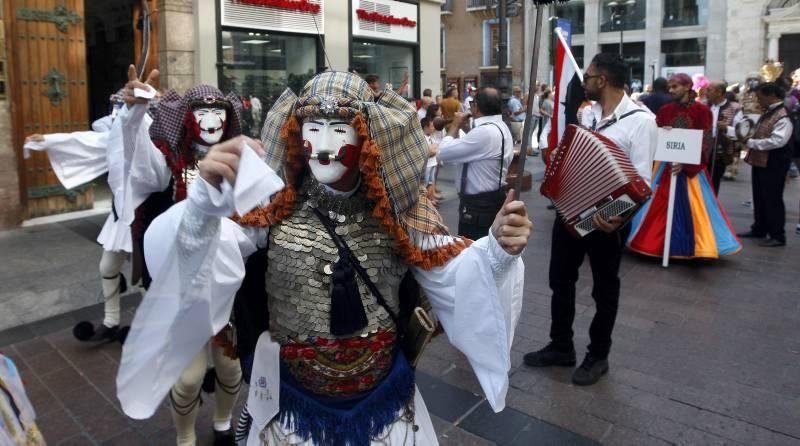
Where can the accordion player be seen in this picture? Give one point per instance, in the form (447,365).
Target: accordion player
(589,174)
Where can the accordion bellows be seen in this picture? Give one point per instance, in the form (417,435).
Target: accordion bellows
(587,174)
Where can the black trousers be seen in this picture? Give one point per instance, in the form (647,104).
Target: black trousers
(768,209)
(566,256)
(716,175)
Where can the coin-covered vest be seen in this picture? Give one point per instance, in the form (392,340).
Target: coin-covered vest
(301,258)
(765,126)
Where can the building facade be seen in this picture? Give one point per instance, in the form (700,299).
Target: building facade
(255,48)
(469,37)
(722,39)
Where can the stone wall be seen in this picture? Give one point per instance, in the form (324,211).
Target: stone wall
(9,181)
(176,43)
(745,34)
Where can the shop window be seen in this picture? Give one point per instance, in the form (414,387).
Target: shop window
(262,65)
(491,39)
(573,12)
(684,52)
(634,17)
(394,64)
(685,13)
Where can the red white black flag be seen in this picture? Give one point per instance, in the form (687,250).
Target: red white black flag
(569,92)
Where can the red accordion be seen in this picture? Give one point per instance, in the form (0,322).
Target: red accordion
(587,174)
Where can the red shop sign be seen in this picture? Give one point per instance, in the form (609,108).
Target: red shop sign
(387,19)
(294,5)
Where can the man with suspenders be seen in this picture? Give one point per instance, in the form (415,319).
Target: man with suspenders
(484,154)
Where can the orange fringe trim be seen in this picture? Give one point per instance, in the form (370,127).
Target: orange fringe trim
(370,162)
(383,212)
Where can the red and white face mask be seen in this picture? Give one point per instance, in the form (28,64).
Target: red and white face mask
(331,146)
(211,121)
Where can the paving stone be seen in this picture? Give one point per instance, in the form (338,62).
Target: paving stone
(78,440)
(621,436)
(58,425)
(103,423)
(445,400)
(126,438)
(460,437)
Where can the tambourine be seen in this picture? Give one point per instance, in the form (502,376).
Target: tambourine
(745,129)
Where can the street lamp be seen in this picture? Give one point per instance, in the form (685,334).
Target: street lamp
(619,9)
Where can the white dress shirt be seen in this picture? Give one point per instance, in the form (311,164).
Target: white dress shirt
(779,137)
(731,132)
(480,148)
(636,134)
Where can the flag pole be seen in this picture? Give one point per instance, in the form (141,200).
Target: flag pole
(526,135)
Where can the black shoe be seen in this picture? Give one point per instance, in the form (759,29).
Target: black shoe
(590,371)
(86,332)
(772,243)
(224,438)
(551,356)
(750,234)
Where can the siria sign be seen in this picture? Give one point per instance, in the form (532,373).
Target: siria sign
(293,5)
(386,19)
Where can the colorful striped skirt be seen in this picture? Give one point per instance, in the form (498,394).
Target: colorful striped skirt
(700,227)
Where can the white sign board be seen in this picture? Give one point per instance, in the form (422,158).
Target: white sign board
(683,146)
(385,19)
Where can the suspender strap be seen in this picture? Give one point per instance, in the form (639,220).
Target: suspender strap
(465,167)
(613,121)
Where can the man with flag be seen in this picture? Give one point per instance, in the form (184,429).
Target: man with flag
(633,129)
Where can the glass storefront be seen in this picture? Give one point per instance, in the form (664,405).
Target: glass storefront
(572,12)
(261,65)
(634,60)
(684,52)
(394,64)
(634,18)
(685,13)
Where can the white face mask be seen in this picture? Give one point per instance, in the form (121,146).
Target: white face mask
(334,139)
(211,121)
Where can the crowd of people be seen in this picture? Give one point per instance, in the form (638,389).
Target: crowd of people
(297,263)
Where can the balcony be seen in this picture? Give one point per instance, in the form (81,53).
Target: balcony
(478,5)
(447,7)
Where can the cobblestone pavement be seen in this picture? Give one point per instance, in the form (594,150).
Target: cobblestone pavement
(704,352)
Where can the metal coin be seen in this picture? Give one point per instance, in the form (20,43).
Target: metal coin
(310,261)
(332,215)
(328,269)
(341,219)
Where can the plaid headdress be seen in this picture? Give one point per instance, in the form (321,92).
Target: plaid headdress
(395,160)
(170,116)
(393,125)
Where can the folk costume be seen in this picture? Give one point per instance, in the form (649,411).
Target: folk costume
(78,158)
(330,369)
(726,148)
(164,156)
(770,154)
(700,227)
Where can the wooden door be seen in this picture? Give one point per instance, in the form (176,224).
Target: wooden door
(48,89)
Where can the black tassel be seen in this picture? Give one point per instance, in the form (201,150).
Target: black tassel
(347,311)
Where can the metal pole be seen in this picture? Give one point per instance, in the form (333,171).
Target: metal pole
(526,135)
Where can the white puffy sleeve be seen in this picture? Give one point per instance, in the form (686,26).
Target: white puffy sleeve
(76,158)
(477,297)
(197,259)
(146,167)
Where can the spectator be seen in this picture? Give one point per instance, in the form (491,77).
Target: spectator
(374,82)
(450,104)
(659,97)
(517,111)
(481,179)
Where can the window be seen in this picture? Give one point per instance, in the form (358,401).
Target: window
(573,12)
(634,60)
(264,64)
(577,53)
(685,12)
(633,18)
(684,52)
(394,64)
(491,39)
(258,66)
